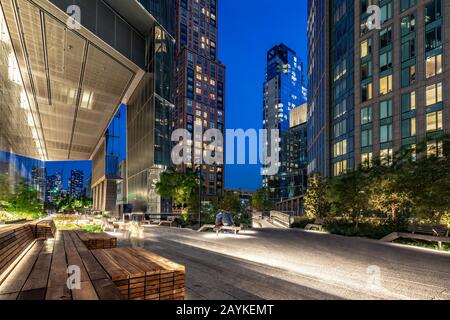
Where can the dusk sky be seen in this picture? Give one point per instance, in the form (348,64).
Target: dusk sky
(248,29)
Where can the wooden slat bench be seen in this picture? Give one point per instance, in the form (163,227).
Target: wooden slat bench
(94,241)
(43,229)
(436,233)
(37,269)
(142,275)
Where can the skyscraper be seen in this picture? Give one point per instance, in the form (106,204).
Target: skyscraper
(76,184)
(54,187)
(200,81)
(284,90)
(374,91)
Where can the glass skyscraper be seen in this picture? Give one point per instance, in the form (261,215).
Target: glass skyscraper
(284,90)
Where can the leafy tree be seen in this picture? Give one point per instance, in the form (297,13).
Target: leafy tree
(317,204)
(4,187)
(428,181)
(261,201)
(25,201)
(182,188)
(349,195)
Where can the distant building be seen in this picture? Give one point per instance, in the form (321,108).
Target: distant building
(38,180)
(54,187)
(284,90)
(88,188)
(76,183)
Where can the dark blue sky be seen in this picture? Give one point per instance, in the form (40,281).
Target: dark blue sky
(248,29)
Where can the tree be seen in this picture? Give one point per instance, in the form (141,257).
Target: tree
(182,188)
(317,203)
(4,187)
(349,195)
(261,201)
(428,181)
(25,202)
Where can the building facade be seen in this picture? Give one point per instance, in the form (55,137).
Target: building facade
(284,90)
(148,115)
(376,87)
(54,187)
(76,184)
(199,84)
(402,76)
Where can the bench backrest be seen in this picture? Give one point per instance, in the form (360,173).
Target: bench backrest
(434,230)
(14,240)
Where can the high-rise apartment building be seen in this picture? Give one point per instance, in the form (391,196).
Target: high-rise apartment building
(76,184)
(54,187)
(374,91)
(284,90)
(199,83)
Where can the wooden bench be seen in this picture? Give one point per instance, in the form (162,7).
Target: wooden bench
(42,272)
(95,241)
(142,275)
(316,226)
(43,229)
(431,233)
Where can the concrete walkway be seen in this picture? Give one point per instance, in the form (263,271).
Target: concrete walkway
(293,264)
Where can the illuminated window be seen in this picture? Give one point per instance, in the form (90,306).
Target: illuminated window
(434,121)
(340,148)
(385,85)
(366,159)
(435,149)
(386,157)
(366,92)
(434,94)
(340,168)
(434,66)
(366,48)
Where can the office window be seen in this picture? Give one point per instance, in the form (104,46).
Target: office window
(366,115)
(366,159)
(386,109)
(434,121)
(433,39)
(366,92)
(385,85)
(408,50)
(386,133)
(433,66)
(340,168)
(409,128)
(340,128)
(386,12)
(433,11)
(385,37)
(366,70)
(366,47)
(340,148)
(435,149)
(366,138)
(386,157)
(408,75)
(385,61)
(406,4)
(434,94)
(408,24)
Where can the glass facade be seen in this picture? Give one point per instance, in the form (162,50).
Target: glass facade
(148,123)
(284,90)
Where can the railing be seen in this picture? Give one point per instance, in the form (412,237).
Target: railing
(285,220)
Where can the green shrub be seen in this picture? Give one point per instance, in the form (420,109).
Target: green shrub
(92,228)
(376,229)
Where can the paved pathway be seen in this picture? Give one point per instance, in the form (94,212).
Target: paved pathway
(293,264)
